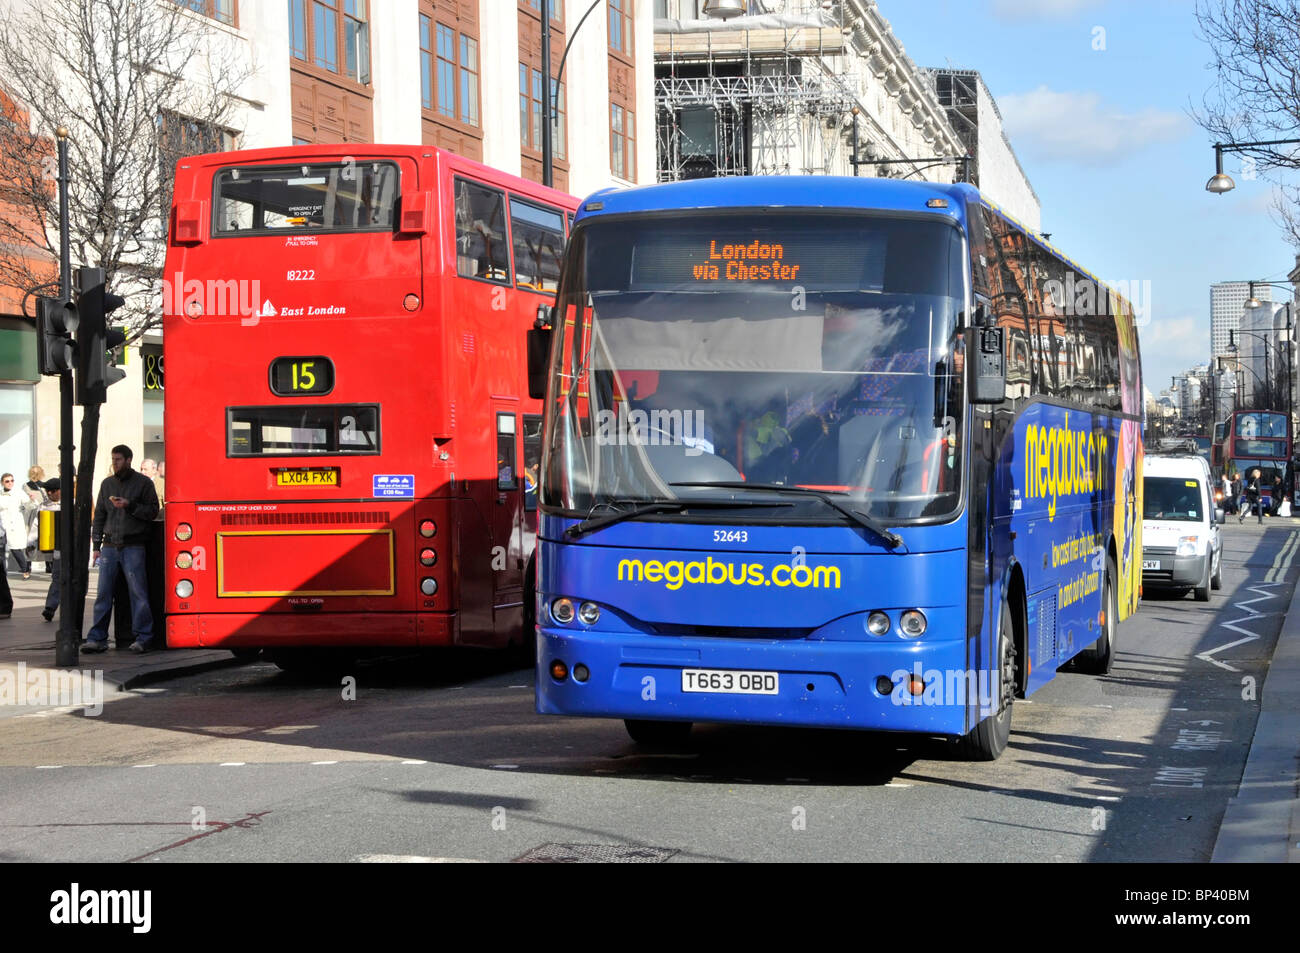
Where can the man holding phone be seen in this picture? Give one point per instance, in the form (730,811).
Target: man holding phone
(124,510)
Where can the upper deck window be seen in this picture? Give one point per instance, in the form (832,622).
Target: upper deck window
(351,196)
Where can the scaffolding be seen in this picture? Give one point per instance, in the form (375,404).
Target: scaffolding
(757,96)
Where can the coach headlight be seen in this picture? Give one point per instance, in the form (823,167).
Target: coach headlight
(877,623)
(912,622)
(562,611)
(589,613)
(1187,545)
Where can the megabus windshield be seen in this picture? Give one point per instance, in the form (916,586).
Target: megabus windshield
(783,348)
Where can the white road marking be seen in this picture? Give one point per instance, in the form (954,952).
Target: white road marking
(324,762)
(1282,562)
(1171,777)
(47,767)
(144,765)
(506,767)
(232,764)
(412,859)
(1235,626)
(415,762)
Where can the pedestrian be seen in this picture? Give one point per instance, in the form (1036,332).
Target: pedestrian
(1225,487)
(1276,501)
(15,523)
(124,510)
(52,495)
(36,498)
(1251,497)
(154,471)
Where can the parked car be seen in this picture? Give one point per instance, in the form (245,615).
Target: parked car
(1182,547)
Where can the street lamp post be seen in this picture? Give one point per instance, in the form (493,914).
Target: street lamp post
(1221,182)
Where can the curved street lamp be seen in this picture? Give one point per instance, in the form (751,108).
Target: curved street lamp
(1221,182)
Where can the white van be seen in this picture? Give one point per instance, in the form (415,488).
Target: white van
(1181,543)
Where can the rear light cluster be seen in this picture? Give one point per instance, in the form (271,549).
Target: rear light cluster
(184,560)
(428,557)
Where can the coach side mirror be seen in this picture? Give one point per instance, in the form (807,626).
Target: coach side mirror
(539,349)
(988,368)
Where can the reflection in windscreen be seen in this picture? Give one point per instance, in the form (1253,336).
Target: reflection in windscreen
(1169,498)
(799,350)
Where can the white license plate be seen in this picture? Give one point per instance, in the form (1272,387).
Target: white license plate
(1150,564)
(729,682)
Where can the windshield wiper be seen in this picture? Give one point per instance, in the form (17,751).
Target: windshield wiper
(659,506)
(862,519)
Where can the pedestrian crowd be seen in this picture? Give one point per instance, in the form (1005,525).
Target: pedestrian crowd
(127,503)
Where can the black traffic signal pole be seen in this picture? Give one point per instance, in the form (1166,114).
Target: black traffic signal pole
(67,645)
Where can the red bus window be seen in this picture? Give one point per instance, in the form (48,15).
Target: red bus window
(537,234)
(302,430)
(481,249)
(506,462)
(348,196)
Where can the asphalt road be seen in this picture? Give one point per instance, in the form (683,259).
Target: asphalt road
(445,758)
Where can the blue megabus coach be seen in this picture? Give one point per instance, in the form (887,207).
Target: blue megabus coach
(836,452)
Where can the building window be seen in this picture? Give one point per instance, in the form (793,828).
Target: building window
(620,26)
(622,142)
(221,10)
(557,9)
(530,112)
(320,29)
(439,68)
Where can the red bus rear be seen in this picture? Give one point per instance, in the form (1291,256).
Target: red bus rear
(349,431)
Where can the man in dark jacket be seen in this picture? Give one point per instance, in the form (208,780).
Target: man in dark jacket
(124,510)
(1251,492)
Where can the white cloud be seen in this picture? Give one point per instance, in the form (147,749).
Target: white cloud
(1170,345)
(1079,127)
(1040,9)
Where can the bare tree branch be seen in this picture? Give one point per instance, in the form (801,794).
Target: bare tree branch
(1256,94)
(138,84)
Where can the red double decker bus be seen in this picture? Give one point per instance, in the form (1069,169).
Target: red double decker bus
(1257,440)
(351,443)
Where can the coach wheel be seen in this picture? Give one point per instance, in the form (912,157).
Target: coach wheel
(246,655)
(525,647)
(1098,657)
(987,740)
(657,734)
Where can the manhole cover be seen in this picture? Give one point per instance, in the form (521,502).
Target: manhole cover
(595,854)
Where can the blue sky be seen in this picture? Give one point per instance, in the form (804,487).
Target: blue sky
(1108,142)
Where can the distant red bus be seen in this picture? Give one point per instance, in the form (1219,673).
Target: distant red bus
(1257,439)
(351,444)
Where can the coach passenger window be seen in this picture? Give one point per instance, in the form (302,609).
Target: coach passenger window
(481,249)
(532,458)
(537,234)
(506,452)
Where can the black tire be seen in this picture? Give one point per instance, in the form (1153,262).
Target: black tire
(1216,581)
(1202,593)
(987,740)
(657,734)
(524,649)
(1098,658)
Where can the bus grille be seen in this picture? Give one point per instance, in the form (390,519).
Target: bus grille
(340,517)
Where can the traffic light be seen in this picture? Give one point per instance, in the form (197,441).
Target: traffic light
(94,339)
(56,320)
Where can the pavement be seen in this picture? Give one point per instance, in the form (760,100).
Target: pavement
(1262,823)
(28,640)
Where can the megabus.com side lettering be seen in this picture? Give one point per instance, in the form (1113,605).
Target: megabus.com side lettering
(1060,462)
(675,573)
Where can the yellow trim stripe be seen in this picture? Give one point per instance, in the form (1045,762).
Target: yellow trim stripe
(392,576)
